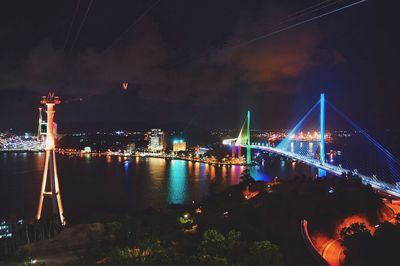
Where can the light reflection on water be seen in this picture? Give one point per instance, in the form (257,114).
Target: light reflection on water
(93,184)
(178,178)
(258,174)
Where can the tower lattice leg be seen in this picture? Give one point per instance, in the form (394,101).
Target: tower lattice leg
(44,182)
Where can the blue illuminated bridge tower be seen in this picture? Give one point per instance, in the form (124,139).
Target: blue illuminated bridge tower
(322,172)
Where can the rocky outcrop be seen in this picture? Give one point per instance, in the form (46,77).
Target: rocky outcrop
(69,244)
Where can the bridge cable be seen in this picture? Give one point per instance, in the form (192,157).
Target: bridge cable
(388,155)
(378,145)
(283,143)
(393,160)
(395,172)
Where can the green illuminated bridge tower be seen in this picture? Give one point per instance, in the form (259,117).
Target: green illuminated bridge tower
(243,140)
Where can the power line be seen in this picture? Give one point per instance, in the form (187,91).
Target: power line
(299,14)
(308,8)
(304,12)
(81,26)
(295,25)
(293,16)
(116,40)
(72,23)
(80,99)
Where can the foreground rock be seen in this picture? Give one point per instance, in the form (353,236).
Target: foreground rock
(67,247)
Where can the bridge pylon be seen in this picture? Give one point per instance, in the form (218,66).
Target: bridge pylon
(243,140)
(322,172)
(248,150)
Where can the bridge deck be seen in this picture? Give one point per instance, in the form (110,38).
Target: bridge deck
(336,170)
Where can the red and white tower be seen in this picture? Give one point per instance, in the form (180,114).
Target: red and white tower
(50,166)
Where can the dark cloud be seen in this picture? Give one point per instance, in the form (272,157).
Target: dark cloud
(275,63)
(284,57)
(180,57)
(140,59)
(270,64)
(137,60)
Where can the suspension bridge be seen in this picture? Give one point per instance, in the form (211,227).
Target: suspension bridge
(386,183)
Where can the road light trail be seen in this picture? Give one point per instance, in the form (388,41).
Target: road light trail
(332,252)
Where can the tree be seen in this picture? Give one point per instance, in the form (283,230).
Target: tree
(353,229)
(233,237)
(263,253)
(186,221)
(204,260)
(213,244)
(246,178)
(386,239)
(358,243)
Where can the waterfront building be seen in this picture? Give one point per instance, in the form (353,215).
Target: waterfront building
(5,229)
(178,145)
(130,147)
(87,149)
(157,140)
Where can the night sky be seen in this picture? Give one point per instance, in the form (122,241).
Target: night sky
(185,62)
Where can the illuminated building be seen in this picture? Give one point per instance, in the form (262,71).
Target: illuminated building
(21,143)
(156,140)
(5,229)
(50,166)
(87,149)
(197,149)
(131,147)
(178,145)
